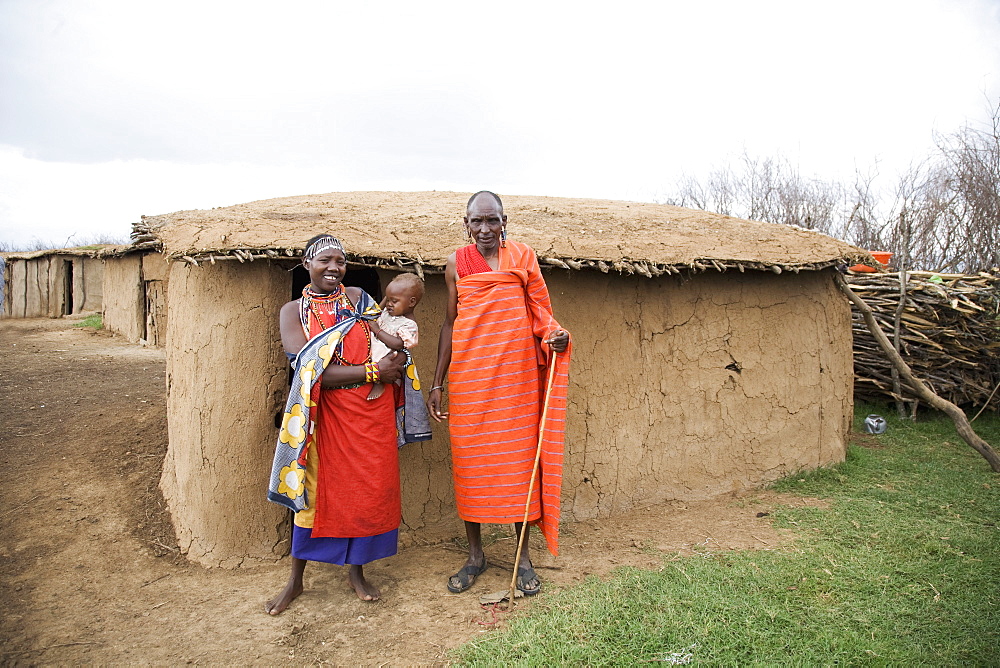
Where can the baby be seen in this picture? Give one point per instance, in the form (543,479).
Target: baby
(394,329)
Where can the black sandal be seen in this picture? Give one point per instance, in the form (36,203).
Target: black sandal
(466,577)
(526,575)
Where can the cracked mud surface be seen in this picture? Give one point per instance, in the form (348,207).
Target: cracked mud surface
(89,563)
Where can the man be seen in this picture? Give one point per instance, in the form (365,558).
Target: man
(497,342)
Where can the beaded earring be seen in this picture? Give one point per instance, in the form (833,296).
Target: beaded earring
(503,237)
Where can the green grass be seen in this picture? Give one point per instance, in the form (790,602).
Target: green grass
(95,321)
(902,569)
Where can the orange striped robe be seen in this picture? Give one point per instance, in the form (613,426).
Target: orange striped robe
(496,389)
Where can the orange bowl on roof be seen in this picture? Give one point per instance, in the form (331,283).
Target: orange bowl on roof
(862,268)
(881,257)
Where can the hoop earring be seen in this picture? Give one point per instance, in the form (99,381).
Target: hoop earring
(503,237)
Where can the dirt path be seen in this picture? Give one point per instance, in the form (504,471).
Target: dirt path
(90,572)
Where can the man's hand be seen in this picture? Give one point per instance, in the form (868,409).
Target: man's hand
(558,340)
(435,404)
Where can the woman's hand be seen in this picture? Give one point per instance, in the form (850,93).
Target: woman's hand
(558,340)
(390,368)
(435,404)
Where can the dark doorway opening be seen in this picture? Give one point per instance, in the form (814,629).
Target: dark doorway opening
(67,305)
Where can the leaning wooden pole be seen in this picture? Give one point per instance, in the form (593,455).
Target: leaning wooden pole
(534,476)
(919,388)
(897,325)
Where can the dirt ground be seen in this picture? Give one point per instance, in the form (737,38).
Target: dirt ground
(90,571)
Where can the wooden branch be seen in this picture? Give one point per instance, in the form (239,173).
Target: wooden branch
(954,412)
(947,330)
(896,326)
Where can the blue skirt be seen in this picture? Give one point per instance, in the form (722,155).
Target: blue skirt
(354,551)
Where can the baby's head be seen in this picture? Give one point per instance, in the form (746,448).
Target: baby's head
(403,294)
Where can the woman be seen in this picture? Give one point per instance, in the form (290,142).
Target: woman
(336,463)
(494,346)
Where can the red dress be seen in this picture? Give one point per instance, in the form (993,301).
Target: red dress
(353,465)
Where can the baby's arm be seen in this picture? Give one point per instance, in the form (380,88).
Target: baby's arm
(390,340)
(407,332)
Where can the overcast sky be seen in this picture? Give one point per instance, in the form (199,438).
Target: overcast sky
(114,109)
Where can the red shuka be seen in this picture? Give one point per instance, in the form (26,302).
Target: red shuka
(497,382)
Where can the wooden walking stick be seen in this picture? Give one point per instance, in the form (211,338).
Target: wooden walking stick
(500,597)
(534,476)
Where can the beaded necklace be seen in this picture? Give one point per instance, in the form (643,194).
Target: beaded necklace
(321,306)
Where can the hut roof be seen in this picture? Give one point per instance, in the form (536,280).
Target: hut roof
(417,231)
(94,250)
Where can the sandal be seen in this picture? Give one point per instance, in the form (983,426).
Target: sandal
(526,575)
(466,577)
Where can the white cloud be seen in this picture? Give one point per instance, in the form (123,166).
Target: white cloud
(144,108)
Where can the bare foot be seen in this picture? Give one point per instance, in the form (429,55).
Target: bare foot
(376,391)
(278,604)
(364,589)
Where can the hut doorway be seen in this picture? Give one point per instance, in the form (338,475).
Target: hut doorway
(156,313)
(67,301)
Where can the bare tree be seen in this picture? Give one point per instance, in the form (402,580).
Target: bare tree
(945,213)
(971,160)
(864,225)
(942,215)
(36,244)
(765,189)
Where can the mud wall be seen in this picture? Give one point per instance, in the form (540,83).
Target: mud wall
(88,285)
(75,284)
(15,289)
(689,390)
(681,390)
(35,288)
(55,285)
(52,286)
(36,292)
(124,308)
(226,378)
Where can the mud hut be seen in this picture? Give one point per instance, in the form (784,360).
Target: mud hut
(125,284)
(712,354)
(135,294)
(52,283)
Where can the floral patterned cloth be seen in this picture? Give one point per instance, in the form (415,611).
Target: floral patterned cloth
(288,472)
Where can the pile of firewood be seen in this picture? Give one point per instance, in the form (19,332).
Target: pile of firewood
(948,331)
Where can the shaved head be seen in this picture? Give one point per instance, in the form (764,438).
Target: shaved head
(484,193)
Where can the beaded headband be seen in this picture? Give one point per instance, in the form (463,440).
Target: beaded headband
(320,245)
